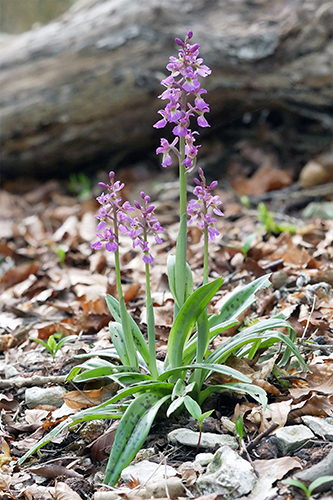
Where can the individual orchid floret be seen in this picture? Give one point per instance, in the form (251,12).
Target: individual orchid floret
(165,150)
(139,227)
(203,209)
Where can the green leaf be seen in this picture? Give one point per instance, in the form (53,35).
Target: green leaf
(108,411)
(251,334)
(63,341)
(117,337)
(192,407)
(239,427)
(187,318)
(131,433)
(175,405)
(239,301)
(41,342)
(179,389)
(209,367)
(298,484)
(139,340)
(319,481)
(205,415)
(188,284)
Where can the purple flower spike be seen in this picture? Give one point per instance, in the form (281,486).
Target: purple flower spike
(138,228)
(202,209)
(181,85)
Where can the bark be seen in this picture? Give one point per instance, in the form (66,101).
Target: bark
(84,88)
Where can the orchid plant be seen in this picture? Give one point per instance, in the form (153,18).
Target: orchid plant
(147,385)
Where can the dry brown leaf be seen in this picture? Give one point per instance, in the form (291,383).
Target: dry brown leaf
(278,412)
(53,471)
(5,457)
(8,403)
(5,482)
(61,491)
(100,448)
(319,380)
(131,291)
(316,405)
(17,274)
(269,472)
(265,179)
(86,399)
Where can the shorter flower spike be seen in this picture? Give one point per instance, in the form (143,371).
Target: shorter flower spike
(139,227)
(203,208)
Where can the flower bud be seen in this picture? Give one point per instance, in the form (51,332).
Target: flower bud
(179,42)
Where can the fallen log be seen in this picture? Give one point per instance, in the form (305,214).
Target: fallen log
(83,89)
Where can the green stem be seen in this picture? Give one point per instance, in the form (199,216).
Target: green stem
(150,324)
(182,178)
(124,315)
(181,249)
(205,263)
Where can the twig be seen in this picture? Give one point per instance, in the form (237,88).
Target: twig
(34,380)
(253,444)
(308,321)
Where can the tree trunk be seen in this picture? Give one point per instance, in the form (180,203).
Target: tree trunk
(84,88)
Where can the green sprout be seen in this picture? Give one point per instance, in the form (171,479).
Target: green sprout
(194,409)
(239,430)
(271,226)
(80,185)
(52,346)
(61,253)
(308,490)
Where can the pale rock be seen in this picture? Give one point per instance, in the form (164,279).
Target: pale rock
(323,468)
(147,471)
(204,458)
(319,426)
(209,440)
(166,488)
(52,396)
(292,437)
(227,474)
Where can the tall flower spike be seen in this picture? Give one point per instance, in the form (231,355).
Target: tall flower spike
(203,209)
(181,85)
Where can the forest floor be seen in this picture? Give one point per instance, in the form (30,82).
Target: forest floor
(51,281)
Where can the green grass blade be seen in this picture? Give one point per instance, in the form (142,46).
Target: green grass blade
(187,318)
(131,433)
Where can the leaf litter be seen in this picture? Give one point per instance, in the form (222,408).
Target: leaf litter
(52,282)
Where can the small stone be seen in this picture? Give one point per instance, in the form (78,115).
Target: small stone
(209,440)
(147,471)
(227,474)
(35,396)
(323,468)
(319,426)
(204,458)
(291,438)
(166,488)
(92,430)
